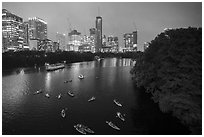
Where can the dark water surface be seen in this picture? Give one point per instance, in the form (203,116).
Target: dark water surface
(108,79)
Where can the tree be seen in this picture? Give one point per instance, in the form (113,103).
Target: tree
(171,70)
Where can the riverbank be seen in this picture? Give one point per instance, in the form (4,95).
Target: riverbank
(18,59)
(171,71)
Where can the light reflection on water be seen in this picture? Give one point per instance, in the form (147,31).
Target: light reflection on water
(48,81)
(106,79)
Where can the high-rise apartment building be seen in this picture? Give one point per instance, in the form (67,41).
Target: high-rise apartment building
(37,29)
(12,31)
(98,33)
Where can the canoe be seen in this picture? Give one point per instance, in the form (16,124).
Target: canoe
(112,125)
(59,96)
(47,95)
(119,115)
(117,103)
(87,129)
(63,113)
(81,76)
(70,93)
(80,130)
(91,99)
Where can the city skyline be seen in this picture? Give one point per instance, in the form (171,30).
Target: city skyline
(149,19)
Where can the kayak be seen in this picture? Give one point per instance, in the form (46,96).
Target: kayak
(117,103)
(63,113)
(81,76)
(119,115)
(38,91)
(59,96)
(86,128)
(112,125)
(47,95)
(80,130)
(66,81)
(70,93)
(91,99)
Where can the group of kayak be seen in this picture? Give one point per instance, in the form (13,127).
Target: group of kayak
(80,77)
(59,96)
(84,129)
(79,127)
(118,114)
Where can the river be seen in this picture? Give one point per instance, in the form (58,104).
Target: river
(108,79)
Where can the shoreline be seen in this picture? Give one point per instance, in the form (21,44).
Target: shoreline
(12,60)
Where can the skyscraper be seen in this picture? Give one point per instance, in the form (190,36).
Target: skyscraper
(37,29)
(98,33)
(12,31)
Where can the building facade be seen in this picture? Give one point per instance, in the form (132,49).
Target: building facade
(37,28)
(104,41)
(130,41)
(134,40)
(61,39)
(12,31)
(85,44)
(26,35)
(74,40)
(112,44)
(37,32)
(98,33)
(93,39)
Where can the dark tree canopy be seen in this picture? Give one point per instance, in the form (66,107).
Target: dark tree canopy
(171,70)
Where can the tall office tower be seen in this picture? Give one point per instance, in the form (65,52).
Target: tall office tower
(98,33)
(37,29)
(93,39)
(12,31)
(60,38)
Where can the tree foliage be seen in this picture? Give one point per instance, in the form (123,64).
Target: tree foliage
(171,70)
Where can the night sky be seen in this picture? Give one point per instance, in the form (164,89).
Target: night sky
(118,17)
